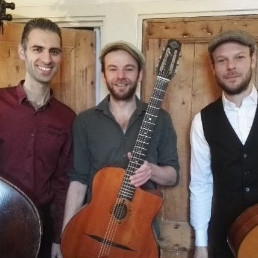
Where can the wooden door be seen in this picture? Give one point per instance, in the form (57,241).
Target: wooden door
(74,84)
(191,89)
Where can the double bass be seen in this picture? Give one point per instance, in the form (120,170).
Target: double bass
(20,226)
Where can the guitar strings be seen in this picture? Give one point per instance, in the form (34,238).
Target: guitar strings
(127,190)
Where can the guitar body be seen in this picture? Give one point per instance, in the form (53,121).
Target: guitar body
(111,227)
(20,227)
(243,234)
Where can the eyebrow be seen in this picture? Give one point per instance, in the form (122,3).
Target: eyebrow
(52,48)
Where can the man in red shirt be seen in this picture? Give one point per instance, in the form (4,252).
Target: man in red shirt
(35,131)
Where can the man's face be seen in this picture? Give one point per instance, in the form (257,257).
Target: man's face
(233,67)
(42,55)
(121,74)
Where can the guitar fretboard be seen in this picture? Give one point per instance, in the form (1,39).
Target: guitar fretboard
(144,137)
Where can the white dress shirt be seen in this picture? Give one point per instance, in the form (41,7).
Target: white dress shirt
(201,184)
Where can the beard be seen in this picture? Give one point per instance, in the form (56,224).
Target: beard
(124,96)
(240,87)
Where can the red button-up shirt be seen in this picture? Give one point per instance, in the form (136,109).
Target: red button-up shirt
(36,149)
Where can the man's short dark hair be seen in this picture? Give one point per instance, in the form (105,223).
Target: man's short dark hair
(39,23)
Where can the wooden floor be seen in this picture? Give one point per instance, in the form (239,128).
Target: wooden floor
(175,254)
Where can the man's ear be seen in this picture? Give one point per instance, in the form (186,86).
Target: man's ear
(253,60)
(212,66)
(21,52)
(140,75)
(103,78)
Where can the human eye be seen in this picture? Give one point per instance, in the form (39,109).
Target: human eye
(221,60)
(129,68)
(112,69)
(55,51)
(37,49)
(240,57)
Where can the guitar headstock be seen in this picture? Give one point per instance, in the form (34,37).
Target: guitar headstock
(169,59)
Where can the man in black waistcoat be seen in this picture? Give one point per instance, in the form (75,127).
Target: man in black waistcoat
(224,146)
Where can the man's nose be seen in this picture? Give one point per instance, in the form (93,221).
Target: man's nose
(121,74)
(46,57)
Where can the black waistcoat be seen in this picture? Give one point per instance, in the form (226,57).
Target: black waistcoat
(234,167)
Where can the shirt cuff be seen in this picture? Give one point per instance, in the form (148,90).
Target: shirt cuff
(201,238)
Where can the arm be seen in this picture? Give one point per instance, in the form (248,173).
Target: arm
(201,187)
(74,200)
(162,175)
(78,175)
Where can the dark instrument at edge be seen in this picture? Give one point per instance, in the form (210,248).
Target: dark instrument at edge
(20,227)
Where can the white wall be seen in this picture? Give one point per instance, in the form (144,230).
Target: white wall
(123,19)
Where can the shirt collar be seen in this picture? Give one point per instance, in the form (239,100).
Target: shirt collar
(250,99)
(104,105)
(22,94)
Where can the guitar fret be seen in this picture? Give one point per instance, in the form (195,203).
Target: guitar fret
(161,90)
(144,135)
(156,108)
(134,166)
(162,78)
(150,123)
(150,114)
(139,154)
(156,98)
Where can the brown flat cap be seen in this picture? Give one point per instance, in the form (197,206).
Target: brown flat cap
(126,46)
(239,36)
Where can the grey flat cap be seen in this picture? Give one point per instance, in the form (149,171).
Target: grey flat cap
(239,36)
(126,46)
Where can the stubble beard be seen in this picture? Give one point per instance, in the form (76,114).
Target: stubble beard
(125,96)
(237,90)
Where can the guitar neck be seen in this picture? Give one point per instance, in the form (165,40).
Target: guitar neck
(144,136)
(165,71)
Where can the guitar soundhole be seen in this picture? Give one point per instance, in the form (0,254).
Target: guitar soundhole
(120,211)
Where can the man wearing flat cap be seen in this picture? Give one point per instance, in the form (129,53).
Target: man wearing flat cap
(105,135)
(224,146)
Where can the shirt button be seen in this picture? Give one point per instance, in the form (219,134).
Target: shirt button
(247,172)
(247,189)
(32,134)
(245,155)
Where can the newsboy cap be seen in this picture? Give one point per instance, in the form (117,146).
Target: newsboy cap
(126,46)
(239,36)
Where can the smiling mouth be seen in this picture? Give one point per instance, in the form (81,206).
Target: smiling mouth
(121,85)
(44,69)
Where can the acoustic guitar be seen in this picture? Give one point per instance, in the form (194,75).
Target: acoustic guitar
(243,234)
(117,223)
(20,226)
